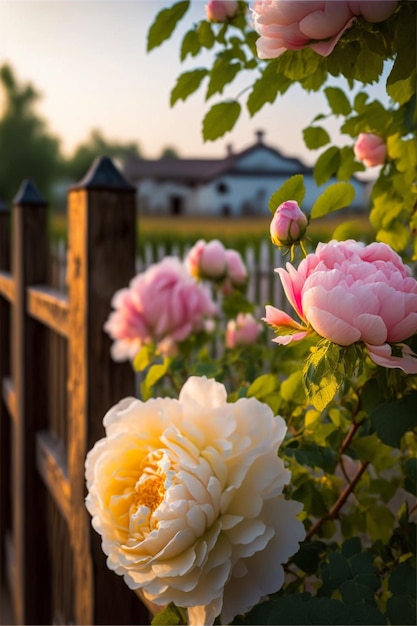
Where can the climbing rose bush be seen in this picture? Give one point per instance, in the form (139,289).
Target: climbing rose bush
(348,292)
(162,305)
(187,496)
(295,24)
(371,149)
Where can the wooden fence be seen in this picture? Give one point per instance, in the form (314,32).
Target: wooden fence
(264,285)
(57,382)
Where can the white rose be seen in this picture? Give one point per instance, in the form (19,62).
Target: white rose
(187,496)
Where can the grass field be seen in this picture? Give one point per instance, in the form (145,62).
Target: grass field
(233,232)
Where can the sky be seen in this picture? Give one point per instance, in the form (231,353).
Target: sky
(89,61)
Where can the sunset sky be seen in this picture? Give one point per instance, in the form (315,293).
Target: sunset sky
(89,61)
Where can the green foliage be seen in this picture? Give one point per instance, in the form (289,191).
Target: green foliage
(165,23)
(171,615)
(292,189)
(187,83)
(384,419)
(220,119)
(27,148)
(334,197)
(324,371)
(95,146)
(351,426)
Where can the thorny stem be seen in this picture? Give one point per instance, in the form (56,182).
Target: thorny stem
(334,511)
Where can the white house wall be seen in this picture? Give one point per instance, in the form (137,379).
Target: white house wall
(155,197)
(251,195)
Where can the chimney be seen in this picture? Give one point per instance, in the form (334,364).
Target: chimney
(260,136)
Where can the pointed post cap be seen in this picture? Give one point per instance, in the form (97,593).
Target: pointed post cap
(29,195)
(103,175)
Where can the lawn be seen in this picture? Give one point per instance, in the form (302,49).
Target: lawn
(233,232)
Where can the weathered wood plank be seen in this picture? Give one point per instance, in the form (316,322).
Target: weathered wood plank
(29,372)
(6,290)
(7,285)
(50,307)
(52,466)
(9,397)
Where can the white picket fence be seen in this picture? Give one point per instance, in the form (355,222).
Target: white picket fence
(264,285)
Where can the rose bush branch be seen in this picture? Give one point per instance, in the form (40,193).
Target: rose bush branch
(336,508)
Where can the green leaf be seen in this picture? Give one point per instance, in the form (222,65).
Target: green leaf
(187,83)
(338,101)
(326,165)
(220,119)
(191,44)
(309,555)
(292,189)
(263,386)
(393,419)
(315,137)
(206,35)
(321,374)
(379,522)
(334,197)
(266,88)
(348,164)
(401,611)
(410,476)
(164,24)
(402,580)
(171,615)
(144,357)
(292,389)
(155,373)
(337,571)
(221,75)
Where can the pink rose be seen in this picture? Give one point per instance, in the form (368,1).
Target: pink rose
(207,260)
(163,305)
(295,24)
(212,261)
(288,224)
(242,331)
(348,292)
(371,149)
(236,269)
(373,10)
(221,11)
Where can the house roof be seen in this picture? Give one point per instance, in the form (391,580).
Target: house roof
(195,171)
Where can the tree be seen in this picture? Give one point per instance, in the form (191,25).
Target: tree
(27,149)
(97,145)
(169,152)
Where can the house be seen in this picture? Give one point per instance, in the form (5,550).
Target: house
(239,184)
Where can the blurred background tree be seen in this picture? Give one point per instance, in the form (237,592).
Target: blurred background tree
(97,145)
(27,148)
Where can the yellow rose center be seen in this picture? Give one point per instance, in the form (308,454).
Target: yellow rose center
(150,492)
(151,486)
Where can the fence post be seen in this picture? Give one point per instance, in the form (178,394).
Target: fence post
(5,430)
(102,247)
(30,553)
